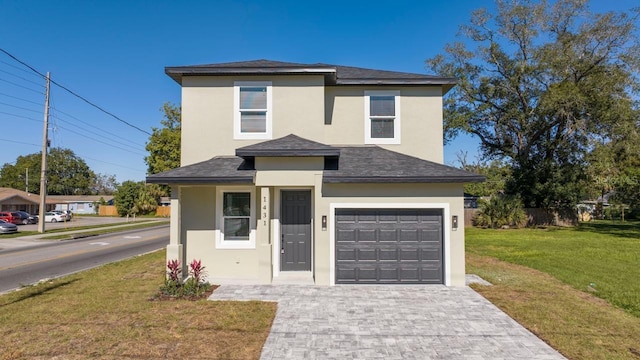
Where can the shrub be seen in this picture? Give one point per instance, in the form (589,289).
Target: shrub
(501,211)
(193,286)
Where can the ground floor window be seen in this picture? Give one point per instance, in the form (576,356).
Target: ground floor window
(235,214)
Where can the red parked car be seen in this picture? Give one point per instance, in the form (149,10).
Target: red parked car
(10,217)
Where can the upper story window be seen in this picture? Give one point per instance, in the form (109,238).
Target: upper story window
(382,117)
(252,110)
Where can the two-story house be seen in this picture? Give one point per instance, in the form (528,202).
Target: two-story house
(312,172)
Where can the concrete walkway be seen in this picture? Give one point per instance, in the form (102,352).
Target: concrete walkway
(388,322)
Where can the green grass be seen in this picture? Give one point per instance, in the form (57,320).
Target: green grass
(105,313)
(602,258)
(112,228)
(574,322)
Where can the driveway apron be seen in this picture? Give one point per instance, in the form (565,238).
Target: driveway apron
(388,322)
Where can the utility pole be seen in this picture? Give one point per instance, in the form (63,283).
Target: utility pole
(26,181)
(43,171)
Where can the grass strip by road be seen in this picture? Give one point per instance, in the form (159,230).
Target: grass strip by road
(576,323)
(602,258)
(106,313)
(105,229)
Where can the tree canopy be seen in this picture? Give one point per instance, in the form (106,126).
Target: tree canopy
(542,86)
(164,143)
(67,174)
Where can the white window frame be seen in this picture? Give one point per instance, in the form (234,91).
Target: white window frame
(237,133)
(367,117)
(221,243)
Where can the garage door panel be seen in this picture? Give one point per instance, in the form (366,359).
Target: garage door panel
(430,255)
(388,254)
(346,255)
(408,235)
(389,274)
(388,235)
(346,236)
(366,255)
(368,274)
(366,235)
(389,246)
(409,254)
(431,235)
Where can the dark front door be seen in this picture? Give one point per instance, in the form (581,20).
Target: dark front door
(295,220)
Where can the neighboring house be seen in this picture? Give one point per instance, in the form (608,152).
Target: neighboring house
(326,173)
(79,204)
(18,200)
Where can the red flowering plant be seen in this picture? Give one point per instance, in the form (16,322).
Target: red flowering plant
(194,287)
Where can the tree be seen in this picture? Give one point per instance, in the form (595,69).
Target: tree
(126,195)
(104,184)
(614,168)
(67,174)
(495,172)
(164,143)
(148,199)
(541,84)
(133,198)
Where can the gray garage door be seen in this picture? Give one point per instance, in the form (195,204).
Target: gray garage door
(389,246)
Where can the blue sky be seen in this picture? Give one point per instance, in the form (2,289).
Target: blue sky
(113,53)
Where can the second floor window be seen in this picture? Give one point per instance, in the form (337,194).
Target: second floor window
(382,117)
(252,118)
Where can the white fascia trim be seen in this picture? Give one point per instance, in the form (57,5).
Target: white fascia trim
(367,117)
(446,230)
(237,134)
(235,244)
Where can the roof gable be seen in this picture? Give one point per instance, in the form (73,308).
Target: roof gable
(290,145)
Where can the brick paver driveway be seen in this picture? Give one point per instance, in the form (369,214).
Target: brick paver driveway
(388,322)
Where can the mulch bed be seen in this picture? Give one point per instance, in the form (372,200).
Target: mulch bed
(164,297)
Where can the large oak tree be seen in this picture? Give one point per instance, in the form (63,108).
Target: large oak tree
(543,85)
(67,174)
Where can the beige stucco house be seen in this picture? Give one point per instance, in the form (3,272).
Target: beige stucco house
(317,173)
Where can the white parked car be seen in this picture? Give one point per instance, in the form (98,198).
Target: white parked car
(51,216)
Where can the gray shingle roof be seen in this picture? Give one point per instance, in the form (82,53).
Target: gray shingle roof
(290,145)
(373,164)
(356,164)
(334,74)
(220,169)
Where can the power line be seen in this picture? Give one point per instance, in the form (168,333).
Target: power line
(90,125)
(20,86)
(18,142)
(94,133)
(19,107)
(75,94)
(21,69)
(118,165)
(21,99)
(21,116)
(21,78)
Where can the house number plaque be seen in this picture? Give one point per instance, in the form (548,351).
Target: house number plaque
(264,210)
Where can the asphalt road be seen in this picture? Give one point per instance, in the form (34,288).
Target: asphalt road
(28,265)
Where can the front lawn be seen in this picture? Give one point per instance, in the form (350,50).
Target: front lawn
(577,289)
(106,313)
(602,258)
